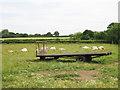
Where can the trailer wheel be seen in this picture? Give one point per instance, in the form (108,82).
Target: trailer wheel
(81,58)
(84,58)
(56,57)
(42,58)
(88,58)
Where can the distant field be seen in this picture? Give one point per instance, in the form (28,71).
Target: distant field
(23,70)
(37,38)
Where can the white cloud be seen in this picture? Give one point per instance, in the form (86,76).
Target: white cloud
(66,16)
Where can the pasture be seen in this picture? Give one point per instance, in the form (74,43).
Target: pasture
(24,70)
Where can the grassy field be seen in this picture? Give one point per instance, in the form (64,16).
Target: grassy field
(36,38)
(23,70)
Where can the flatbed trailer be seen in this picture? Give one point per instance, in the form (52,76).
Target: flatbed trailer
(79,56)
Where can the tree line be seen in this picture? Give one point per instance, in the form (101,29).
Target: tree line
(6,34)
(111,34)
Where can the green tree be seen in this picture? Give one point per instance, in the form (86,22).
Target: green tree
(77,36)
(56,33)
(25,35)
(99,35)
(85,37)
(4,33)
(71,36)
(17,35)
(89,32)
(49,34)
(37,35)
(11,34)
(112,34)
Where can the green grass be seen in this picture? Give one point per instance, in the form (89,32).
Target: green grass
(66,75)
(94,75)
(22,70)
(37,38)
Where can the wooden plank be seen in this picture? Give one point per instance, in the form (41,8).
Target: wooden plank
(74,54)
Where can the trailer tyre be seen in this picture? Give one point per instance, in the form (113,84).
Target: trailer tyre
(84,58)
(81,58)
(56,57)
(88,58)
(42,58)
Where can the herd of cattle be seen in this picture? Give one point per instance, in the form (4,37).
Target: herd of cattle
(94,48)
(54,48)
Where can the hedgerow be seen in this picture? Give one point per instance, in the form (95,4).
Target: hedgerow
(53,41)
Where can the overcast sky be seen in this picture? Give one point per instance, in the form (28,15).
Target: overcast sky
(65,16)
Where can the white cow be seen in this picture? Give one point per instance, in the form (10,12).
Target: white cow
(85,47)
(62,49)
(94,48)
(10,51)
(101,48)
(53,48)
(24,50)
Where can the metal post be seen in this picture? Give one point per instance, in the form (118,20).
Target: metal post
(43,47)
(38,45)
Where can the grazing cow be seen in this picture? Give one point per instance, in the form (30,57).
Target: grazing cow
(101,48)
(24,50)
(10,51)
(53,48)
(62,49)
(85,47)
(94,48)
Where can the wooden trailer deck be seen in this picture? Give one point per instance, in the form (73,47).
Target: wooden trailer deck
(73,54)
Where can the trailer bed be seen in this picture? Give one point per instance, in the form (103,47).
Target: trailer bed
(73,54)
(80,56)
